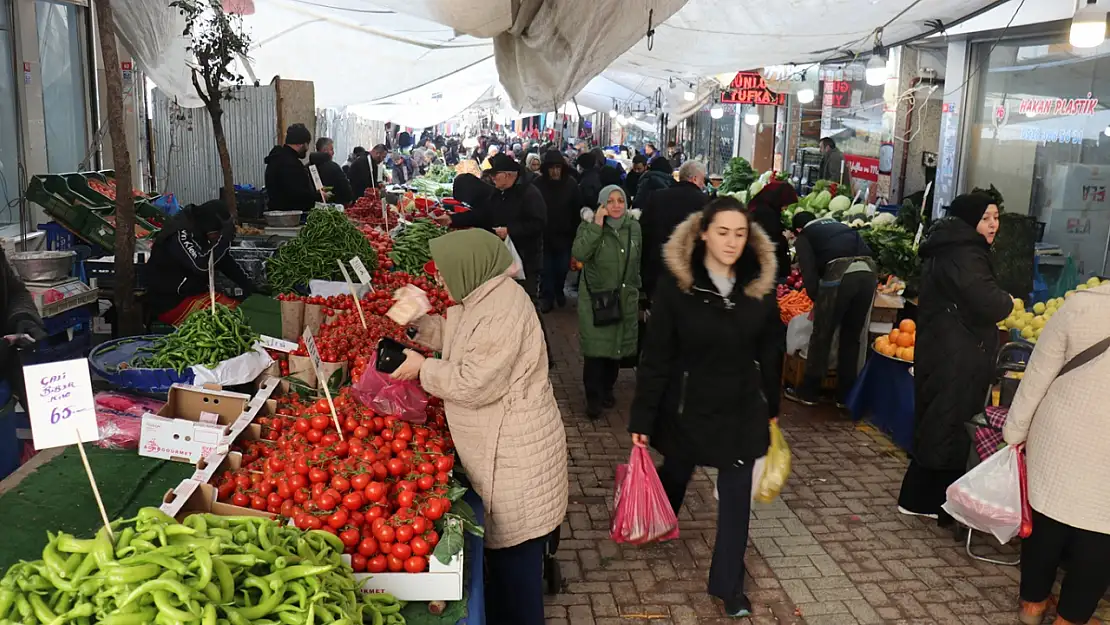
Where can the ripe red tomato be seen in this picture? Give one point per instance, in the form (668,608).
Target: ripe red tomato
(321,406)
(434,509)
(314,436)
(258,502)
(338,518)
(340,484)
(445,463)
(441,478)
(420,547)
(425,482)
(396,467)
(375,491)
(405,499)
(377,564)
(353,501)
(368,547)
(416,564)
(321,422)
(358,563)
(360,481)
(419,525)
(399,445)
(240,499)
(432,537)
(350,537)
(426,467)
(404,533)
(395,564)
(361,432)
(401,550)
(384,534)
(327,502)
(301,426)
(317,475)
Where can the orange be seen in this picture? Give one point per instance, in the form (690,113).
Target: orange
(905,340)
(894,334)
(889,349)
(881,342)
(908,325)
(909,354)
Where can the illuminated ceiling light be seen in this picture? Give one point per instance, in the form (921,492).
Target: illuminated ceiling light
(688,95)
(805,96)
(717,112)
(1088,25)
(622,120)
(1107,131)
(751,118)
(613,112)
(876,73)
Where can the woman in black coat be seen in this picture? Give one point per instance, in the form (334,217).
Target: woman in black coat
(960,307)
(766,210)
(709,377)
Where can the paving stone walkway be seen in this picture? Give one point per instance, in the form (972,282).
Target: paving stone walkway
(832,550)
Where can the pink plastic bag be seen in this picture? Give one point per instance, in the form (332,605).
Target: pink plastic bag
(119,419)
(988,497)
(641,511)
(387,396)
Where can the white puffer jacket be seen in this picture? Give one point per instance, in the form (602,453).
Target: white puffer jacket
(501,409)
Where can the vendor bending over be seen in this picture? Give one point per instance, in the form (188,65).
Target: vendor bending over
(177,274)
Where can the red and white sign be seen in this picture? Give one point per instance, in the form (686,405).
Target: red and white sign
(751,88)
(1059,106)
(862,167)
(838,94)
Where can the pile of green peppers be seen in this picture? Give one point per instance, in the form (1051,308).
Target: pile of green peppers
(209,570)
(410,247)
(205,338)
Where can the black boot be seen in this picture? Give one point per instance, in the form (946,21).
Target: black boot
(593,410)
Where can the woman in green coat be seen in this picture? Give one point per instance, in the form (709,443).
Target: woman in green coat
(608,244)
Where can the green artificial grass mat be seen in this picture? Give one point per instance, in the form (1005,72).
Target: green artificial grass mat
(57,497)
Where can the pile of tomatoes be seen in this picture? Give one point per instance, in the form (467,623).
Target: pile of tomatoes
(381,490)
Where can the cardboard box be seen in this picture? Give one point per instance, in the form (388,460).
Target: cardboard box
(794,368)
(198,421)
(193,497)
(442,582)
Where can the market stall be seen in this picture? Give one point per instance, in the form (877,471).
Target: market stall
(294,455)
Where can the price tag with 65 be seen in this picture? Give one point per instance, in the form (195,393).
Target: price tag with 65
(60,403)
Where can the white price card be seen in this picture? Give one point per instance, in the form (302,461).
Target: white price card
(310,345)
(276,344)
(346,276)
(316,177)
(360,270)
(60,403)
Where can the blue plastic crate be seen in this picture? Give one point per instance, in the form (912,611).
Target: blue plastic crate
(76,318)
(57,237)
(56,348)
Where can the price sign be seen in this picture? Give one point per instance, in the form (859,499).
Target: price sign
(276,344)
(60,403)
(360,270)
(212,280)
(316,177)
(354,294)
(310,345)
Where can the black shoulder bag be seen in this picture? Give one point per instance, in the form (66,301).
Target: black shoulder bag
(606,305)
(1085,357)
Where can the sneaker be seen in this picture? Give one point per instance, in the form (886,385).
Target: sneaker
(794,396)
(1032,613)
(912,513)
(593,411)
(739,607)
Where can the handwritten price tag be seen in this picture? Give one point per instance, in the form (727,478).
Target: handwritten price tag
(276,344)
(310,345)
(360,270)
(60,403)
(316,177)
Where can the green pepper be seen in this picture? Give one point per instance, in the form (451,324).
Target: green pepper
(140,617)
(227,582)
(132,574)
(41,610)
(69,544)
(7,600)
(165,606)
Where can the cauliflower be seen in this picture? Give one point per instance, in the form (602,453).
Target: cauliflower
(883,219)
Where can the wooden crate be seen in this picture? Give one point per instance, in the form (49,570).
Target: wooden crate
(794,368)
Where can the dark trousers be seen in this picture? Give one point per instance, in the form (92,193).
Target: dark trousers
(529,284)
(556,265)
(734,490)
(599,376)
(514,584)
(847,311)
(1084,556)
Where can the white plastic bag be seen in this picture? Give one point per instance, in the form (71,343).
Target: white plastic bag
(238,370)
(988,497)
(798,332)
(519,275)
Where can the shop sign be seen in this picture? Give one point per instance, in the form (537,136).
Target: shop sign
(126,68)
(1094,193)
(751,88)
(1077,225)
(1053,135)
(1058,106)
(862,167)
(838,94)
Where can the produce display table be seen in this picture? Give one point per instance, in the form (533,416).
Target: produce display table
(51,493)
(884,394)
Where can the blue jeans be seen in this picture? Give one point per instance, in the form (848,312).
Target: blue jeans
(556,265)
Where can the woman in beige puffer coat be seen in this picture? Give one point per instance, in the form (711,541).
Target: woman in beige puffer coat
(1061,414)
(501,411)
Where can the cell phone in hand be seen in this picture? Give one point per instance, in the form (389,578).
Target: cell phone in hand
(389,355)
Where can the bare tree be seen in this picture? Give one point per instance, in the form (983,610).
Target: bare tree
(128,321)
(218,40)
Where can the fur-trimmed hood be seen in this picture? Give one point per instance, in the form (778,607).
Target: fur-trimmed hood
(678,255)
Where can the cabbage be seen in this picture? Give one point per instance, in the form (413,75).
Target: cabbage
(840,203)
(857,209)
(884,219)
(756,187)
(821,202)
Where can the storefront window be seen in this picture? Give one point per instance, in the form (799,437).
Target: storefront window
(9,128)
(1041,134)
(63,84)
(851,110)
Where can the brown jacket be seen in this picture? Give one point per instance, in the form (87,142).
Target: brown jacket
(501,409)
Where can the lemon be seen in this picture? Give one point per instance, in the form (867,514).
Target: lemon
(1039,308)
(1093,282)
(1038,322)
(1081,287)
(1027,332)
(1069,294)
(1018,304)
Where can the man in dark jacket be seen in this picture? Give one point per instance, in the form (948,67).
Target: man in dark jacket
(589,178)
(839,277)
(665,210)
(514,210)
(832,163)
(766,210)
(639,166)
(288,183)
(19,318)
(660,175)
(563,200)
(177,272)
(331,173)
(365,171)
(403,169)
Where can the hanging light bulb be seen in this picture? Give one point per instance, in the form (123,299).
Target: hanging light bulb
(1088,25)
(876,73)
(622,120)
(613,112)
(751,118)
(717,111)
(1107,131)
(805,96)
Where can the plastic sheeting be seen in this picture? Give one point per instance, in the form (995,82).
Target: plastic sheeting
(151,32)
